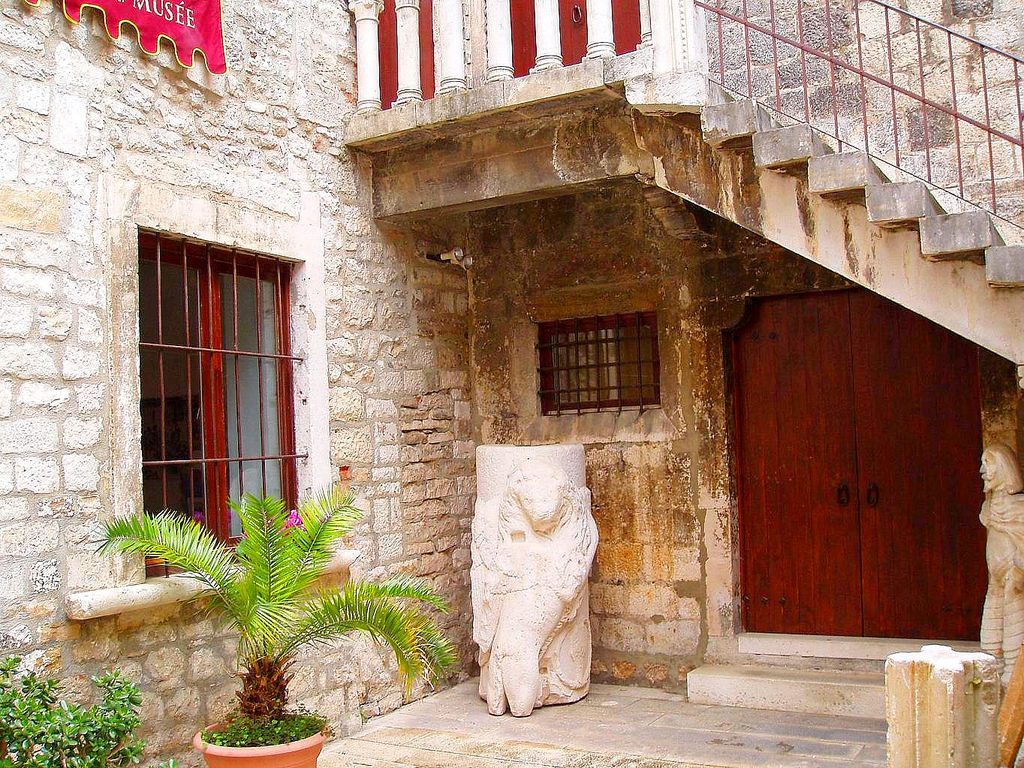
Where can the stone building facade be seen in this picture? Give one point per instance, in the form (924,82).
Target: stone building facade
(408,362)
(98,141)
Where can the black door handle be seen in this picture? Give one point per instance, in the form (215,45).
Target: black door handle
(843,495)
(872,495)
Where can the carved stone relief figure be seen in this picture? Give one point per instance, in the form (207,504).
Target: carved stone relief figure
(1002,513)
(534,541)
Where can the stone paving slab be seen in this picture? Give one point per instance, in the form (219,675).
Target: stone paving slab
(614,727)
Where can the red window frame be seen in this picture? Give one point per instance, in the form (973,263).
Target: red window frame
(204,347)
(582,367)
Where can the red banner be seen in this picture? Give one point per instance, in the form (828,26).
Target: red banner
(190,25)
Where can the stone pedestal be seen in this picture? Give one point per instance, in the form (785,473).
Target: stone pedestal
(534,540)
(942,708)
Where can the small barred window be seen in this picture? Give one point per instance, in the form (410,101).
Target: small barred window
(606,363)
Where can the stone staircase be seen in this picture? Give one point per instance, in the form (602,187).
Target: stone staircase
(971,235)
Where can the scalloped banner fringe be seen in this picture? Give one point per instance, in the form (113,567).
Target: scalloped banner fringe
(189,25)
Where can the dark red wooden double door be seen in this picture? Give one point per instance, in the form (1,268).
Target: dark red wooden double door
(859,436)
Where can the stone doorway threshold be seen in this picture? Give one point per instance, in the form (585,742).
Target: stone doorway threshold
(836,647)
(614,727)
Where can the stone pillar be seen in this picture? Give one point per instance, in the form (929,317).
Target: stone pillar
(408,18)
(645,23)
(499,40)
(942,708)
(367,15)
(451,46)
(549,37)
(677,33)
(534,540)
(600,40)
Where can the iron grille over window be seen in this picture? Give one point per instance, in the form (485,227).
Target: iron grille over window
(216,374)
(606,363)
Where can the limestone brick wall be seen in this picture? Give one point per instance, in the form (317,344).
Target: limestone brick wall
(99,140)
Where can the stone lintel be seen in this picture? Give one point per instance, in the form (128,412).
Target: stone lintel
(505,165)
(552,92)
(161,590)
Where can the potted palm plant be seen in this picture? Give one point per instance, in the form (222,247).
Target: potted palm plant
(268,588)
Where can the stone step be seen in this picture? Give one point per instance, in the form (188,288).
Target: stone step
(733,125)
(958,236)
(1004,266)
(901,204)
(787,148)
(845,175)
(817,691)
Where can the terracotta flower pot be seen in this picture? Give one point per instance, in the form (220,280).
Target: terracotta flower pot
(295,754)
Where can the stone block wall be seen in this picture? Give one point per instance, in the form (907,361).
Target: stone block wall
(99,140)
(596,254)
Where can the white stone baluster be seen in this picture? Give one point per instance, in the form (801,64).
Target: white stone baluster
(645,22)
(664,29)
(408,15)
(499,40)
(549,38)
(367,16)
(600,39)
(451,45)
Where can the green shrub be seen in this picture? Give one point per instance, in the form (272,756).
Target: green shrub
(38,729)
(266,731)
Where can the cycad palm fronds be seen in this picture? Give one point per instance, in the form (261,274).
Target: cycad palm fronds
(264,588)
(379,610)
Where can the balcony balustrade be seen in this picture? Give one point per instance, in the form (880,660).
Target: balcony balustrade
(411,50)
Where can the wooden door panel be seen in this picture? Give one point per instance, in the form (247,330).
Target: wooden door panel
(626,25)
(919,439)
(572,26)
(793,410)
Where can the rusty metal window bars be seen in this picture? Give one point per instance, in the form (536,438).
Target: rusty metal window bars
(216,379)
(604,363)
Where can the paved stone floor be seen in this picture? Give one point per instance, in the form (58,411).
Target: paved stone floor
(615,726)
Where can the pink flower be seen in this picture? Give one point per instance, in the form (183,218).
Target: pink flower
(293,519)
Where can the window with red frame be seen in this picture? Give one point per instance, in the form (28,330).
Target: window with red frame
(216,371)
(605,363)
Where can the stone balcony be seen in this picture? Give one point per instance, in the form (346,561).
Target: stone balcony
(487,138)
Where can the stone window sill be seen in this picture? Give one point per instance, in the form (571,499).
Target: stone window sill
(161,590)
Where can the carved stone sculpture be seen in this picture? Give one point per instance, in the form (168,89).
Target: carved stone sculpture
(533,544)
(1002,513)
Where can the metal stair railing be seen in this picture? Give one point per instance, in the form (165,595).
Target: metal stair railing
(939,105)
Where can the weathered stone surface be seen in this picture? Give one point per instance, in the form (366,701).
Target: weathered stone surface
(734,123)
(845,175)
(1004,266)
(533,544)
(942,708)
(36,210)
(789,147)
(899,204)
(958,235)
